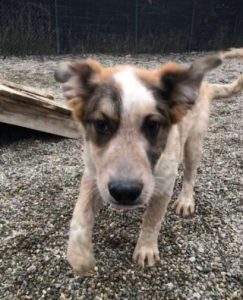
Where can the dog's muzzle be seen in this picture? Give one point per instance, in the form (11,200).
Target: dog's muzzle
(125,192)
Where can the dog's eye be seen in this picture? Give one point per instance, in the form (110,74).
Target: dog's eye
(101,126)
(151,127)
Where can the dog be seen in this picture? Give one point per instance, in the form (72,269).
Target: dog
(138,126)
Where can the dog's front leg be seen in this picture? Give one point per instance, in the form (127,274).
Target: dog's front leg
(147,245)
(80,249)
(166,171)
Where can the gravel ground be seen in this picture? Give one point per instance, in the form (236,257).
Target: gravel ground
(201,256)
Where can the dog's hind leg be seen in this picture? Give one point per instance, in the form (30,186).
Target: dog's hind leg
(80,249)
(185,204)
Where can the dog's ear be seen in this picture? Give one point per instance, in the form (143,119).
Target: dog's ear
(179,87)
(79,78)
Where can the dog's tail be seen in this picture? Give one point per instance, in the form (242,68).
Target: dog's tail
(227,90)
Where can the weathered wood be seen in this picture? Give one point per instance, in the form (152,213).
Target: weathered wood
(27,89)
(36,112)
(33,99)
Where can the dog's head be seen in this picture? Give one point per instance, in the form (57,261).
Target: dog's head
(126,114)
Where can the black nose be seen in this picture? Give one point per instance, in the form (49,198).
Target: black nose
(125,192)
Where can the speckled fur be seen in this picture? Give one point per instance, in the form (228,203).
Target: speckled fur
(184,143)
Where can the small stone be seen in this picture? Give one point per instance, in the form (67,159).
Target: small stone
(199,268)
(170,285)
(196,296)
(31,269)
(200,249)
(192,259)
(206,270)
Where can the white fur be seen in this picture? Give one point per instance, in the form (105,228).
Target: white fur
(134,94)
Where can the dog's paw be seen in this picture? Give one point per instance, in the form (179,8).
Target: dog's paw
(146,254)
(184,206)
(81,259)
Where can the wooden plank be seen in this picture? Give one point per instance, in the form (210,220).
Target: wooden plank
(30,108)
(27,89)
(35,115)
(32,99)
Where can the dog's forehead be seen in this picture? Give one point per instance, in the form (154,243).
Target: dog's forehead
(135,96)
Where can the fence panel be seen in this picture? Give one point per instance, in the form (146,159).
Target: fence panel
(74,26)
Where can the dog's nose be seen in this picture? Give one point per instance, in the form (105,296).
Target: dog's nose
(125,192)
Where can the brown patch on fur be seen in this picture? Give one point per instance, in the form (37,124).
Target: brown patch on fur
(107,73)
(177,87)
(155,148)
(87,82)
(102,107)
(171,68)
(77,108)
(86,68)
(87,73)
(177,113)
(93,96)
(154,80)
(157,141)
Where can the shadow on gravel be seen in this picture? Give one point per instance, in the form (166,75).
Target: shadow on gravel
(10,134)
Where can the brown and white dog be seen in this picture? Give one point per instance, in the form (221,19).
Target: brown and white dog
(138,126)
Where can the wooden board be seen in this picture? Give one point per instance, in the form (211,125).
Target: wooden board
(27,89)
(31,108)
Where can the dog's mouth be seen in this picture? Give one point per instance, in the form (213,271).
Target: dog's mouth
(124,207)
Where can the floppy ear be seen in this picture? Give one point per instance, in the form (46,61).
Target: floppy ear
(79,81)
(180,86)
(78,78)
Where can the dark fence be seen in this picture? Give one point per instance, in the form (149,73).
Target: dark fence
(64,26)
